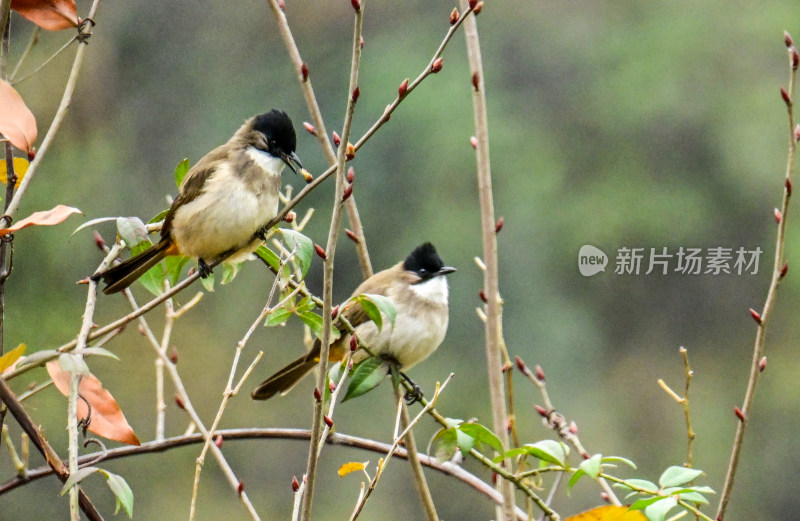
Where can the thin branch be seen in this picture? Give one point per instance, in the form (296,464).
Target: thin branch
(85,30)
(320,132)
(778,272)
(420,482)
(330,251)
(336,439)
(493,331)
(37,31)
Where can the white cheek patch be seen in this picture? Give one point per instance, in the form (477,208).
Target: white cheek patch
(265,160)
(433,290)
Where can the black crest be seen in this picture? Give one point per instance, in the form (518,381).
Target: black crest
(424,261)
(277,126)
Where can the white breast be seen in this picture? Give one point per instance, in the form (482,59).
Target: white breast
(228,212)
(418,330)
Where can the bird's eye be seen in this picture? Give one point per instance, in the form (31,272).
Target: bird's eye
(273,144)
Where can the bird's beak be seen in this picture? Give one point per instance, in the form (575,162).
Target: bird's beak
(289,158)
(447,270)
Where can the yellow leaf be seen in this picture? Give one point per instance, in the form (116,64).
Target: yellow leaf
(609,513)
(20,169)
(8,359)
(347,468)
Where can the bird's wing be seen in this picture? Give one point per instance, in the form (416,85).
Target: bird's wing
(193,184)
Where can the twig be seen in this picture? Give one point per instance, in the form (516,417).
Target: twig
(321,133)
(46,62)
(382,464)
(230,389)
(42,445)
(338,439)
(684,402)
(420,482)
(85,30)
(330,251)
(494,339)
(655,493)
(37,31)
(180,389)
(558,422)
(778,272)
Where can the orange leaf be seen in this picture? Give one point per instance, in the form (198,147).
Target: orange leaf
(347,468)
(51,15)
(609,513)
(46,218)
(17,122)
(106,418)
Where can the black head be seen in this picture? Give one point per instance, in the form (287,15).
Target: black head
(280,139)
(426,263)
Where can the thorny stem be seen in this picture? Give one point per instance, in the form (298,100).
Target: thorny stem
(777,275)
(330,251)
(321,133)
(493,332)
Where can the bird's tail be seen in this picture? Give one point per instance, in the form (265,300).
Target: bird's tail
(125,273)
(284,380)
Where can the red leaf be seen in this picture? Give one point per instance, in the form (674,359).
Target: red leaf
(51,15)
(17,122)
(107,419)
(46,218)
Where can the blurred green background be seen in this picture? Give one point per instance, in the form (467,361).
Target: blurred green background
(632,124)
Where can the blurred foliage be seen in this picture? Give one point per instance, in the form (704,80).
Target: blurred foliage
(630,124)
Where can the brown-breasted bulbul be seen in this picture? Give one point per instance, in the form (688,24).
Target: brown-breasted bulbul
(417,288)
(223,201)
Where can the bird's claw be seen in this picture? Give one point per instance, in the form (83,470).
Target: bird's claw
(413,396)
(204,269)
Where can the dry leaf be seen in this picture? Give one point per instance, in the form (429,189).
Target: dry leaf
(17,122)
(20,169)
(46,218)
(107,419)
(347,468)
(51,15)
(10,358)
(609,513)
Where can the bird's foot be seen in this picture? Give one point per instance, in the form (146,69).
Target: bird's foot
(413,396)
(204,269)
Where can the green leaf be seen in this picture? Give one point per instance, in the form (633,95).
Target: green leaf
(314,321)
(278,317)
(675,476)
(372,311)
(160,216)
(72,363)
(229,272)
(122,491)
(482,435)
(646,502)
(303,245)
(181,170)
(549,450)
(91,223)
(77,477)
(688,495)
(511,453)
(575,477)
(153,279)
(98,351)
(591,466)
(446,444)
(619,459)
(367,375)
(174,267)
(269,257)
(639,483)
(658,510)
(33,358)
(383,304)
(208,282)
(132,230)
(464,441)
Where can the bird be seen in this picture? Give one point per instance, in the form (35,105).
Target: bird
(417,288)
(223,201)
